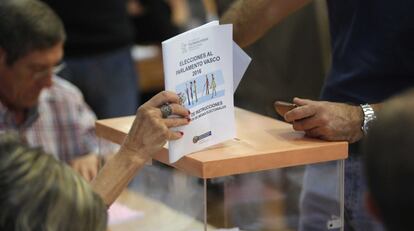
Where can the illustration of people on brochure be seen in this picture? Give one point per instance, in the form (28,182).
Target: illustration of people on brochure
(212,85)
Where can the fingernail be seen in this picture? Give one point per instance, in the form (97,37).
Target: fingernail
(182,133)
(189,112)
(188,119)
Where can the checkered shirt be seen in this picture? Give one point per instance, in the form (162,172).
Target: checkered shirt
(62,123)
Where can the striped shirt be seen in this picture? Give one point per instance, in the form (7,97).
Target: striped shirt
(62,123)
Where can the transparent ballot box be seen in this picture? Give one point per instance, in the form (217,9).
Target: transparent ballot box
(268,178)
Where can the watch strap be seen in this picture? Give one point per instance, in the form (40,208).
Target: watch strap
(369,116)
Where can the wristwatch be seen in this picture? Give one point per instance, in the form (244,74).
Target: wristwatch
(369,116)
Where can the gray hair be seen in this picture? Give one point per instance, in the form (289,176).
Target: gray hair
(37,192)
(27,25)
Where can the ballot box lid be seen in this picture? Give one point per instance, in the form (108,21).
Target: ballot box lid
(262,143)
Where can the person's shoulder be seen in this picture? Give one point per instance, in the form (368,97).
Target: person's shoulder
(63,90)
(64,85)
(66,88)
(66,95)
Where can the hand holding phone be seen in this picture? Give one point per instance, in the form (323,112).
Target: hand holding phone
(283,107)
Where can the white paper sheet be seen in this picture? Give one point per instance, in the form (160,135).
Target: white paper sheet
(199,66)
(241,62)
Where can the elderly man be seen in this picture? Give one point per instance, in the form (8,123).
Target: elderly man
(372,60)
(45,110)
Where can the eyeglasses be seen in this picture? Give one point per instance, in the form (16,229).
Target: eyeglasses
(45,73)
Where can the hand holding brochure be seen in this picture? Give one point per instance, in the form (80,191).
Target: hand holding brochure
(198,66)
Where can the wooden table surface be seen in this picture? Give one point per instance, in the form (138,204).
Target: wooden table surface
(262,143)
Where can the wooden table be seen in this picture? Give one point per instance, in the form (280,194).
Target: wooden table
(262,143)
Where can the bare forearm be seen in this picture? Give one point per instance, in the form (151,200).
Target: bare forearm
(328,120)
(251,19)
(210,7)
(117,173)
(147,136)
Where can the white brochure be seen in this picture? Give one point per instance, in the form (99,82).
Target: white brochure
(241,60)
(198,66)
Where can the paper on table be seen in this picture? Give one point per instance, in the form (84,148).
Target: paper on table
(119,214)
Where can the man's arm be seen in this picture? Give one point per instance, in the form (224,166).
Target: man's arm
(328,120)
(251,19)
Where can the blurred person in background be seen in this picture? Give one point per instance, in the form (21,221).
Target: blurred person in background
(300,46)
(98,58)
(45,110)
(367,68)
(152,20)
